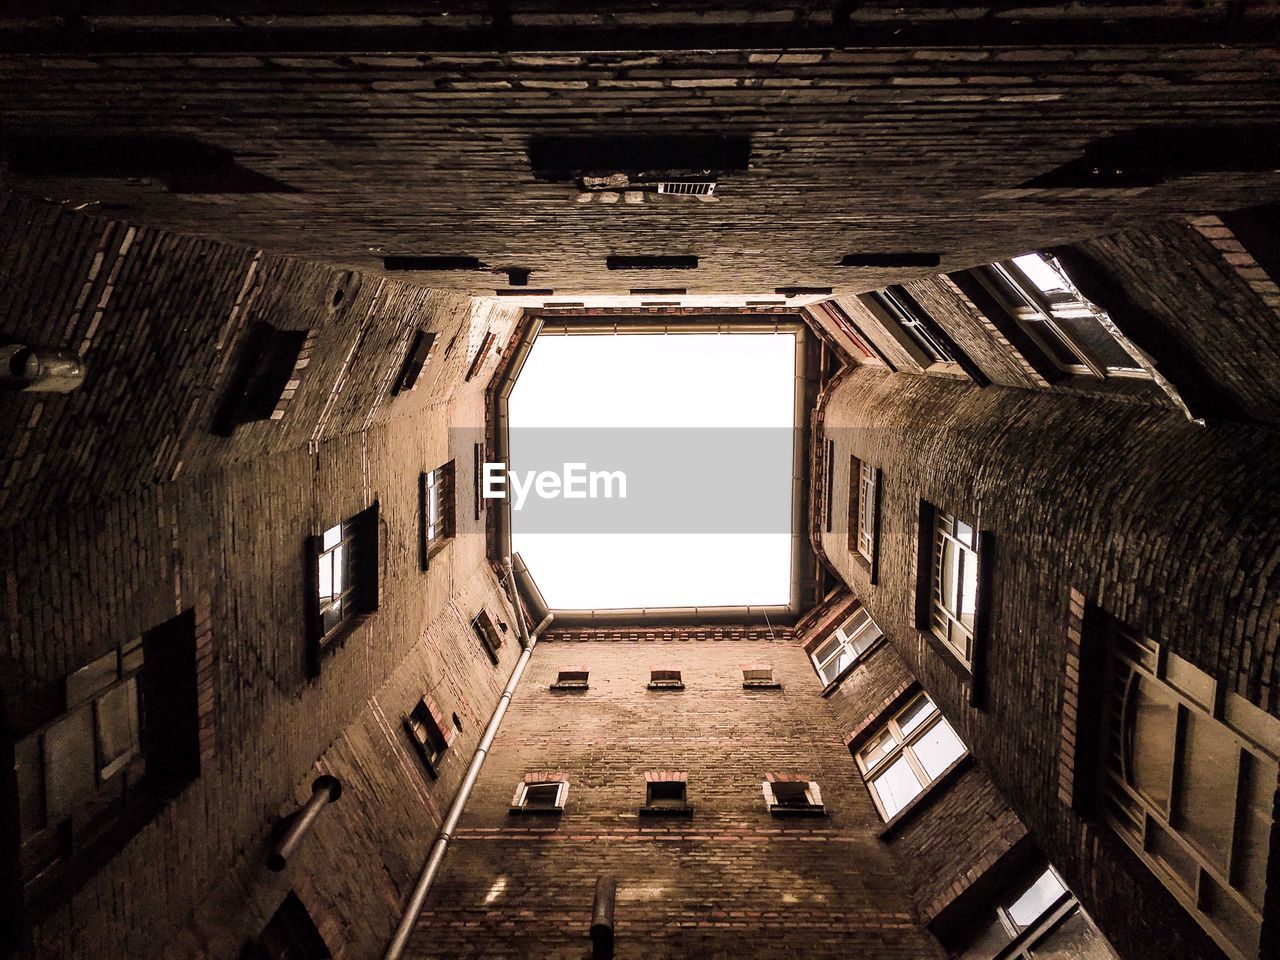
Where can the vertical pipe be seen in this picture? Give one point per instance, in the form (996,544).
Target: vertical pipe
(602,918)
(400,939)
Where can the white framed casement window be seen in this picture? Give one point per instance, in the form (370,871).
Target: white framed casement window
(1075,334)
(863,491)
(336,582)
(343,581)
(438,507)
(788,794)
(954,585)
(905,321)
(910,751)
(1189,779)
(540,796)
(840,651)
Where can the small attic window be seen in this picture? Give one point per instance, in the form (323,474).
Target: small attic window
(759,676)
(429,733)
(666,793)
(268,371)
(570,680)
(541,793)
(792,795)
(415,358)
(665,680)
(487,631)
(478,361)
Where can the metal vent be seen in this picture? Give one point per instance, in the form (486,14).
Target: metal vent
(694,188)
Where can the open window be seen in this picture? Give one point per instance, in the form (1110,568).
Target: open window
(342,568)
(1076,335)
(421,347)
(665,680)
(913,749)
(759,676)
(864,513)
(792,794)
(429,732)
(487,632)
(666,793)
(268,368)
(570,680)
(954,570)
(541,793)
(1189,775)
(439,510)
(478,361)
(914,330)
(837,654)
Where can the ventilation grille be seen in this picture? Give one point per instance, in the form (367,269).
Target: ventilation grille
(693,188)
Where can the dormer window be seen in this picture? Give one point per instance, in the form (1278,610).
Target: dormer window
(837,654)
(791,794)
(429,733)
(665,680)
(486,630)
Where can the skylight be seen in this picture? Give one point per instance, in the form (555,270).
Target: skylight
(701,426)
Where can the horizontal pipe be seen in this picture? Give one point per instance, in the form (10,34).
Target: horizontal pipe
(324,790)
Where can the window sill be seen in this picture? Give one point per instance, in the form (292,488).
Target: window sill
(925,798)
(535,811)
(778,810)
(322,647)
(684,811)
(761,685)
(568,687)
(666,686)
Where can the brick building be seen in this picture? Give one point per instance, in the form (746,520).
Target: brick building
(269,684)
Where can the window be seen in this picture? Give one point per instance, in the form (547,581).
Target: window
(486,345)
(429,733)
(1037,917)
(851,330)
(911,327)
(759,676)
(791,794)
(291,934)
(836,655)
(1076,335)
(541,793)
(1188,781)
(438,509)
(119,737)
(416,357)
(665,680)
(266,371)
(828,488)
(912,750)
(665,792)
(864,488)
(344,568)
(486,629)
(954,585)
(570,680)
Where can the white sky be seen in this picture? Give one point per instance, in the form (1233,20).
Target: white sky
(675,380)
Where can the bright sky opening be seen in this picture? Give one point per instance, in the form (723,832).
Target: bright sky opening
(674,381)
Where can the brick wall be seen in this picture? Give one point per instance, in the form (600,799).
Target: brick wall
(1166,525)
(120,508)
(402,132)
(704,886)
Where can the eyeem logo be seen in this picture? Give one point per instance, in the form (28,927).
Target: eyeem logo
(574,482)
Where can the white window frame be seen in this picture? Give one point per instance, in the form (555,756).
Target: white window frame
(1037,311)
(904,746)
(812,794)
(947,624)
(900,319)
(857,634)
(520,800)
(1143,823)
(439,504)
(864,486)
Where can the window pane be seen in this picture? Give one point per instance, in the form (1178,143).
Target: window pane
(29,765)
(332,536)
(896,786)
(1155,720)
(964,533)
(1210,762)
(866,634)
(938,748)
(1040,273)
(1255,826)
(117,727)
(1173,855)
(1100,343)
(88,680)
(1240,925)
(917,713)
(339,569)
(856,622)
(951,559)
(968,591)
(326,578)
(69,762)
(827,649)
(541,794)
(877,749)
(1029,907)
(836,666)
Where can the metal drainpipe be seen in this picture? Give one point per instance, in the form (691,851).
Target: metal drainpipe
(400,938)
